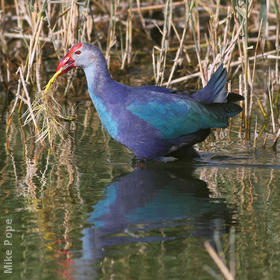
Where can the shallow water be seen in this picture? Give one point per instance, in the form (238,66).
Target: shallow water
(85,212)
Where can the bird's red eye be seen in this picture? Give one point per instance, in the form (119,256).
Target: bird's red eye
(77,52)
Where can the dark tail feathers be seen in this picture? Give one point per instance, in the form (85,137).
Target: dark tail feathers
(224,111)
(233,97)
(214,92)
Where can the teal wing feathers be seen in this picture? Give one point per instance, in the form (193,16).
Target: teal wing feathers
(175,116)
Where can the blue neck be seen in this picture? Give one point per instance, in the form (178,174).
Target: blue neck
(98,81)
(91,77)
(97,78)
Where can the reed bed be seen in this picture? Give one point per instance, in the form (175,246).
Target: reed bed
(184,41)
(181,42)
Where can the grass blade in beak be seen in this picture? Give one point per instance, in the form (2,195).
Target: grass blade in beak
(51,81)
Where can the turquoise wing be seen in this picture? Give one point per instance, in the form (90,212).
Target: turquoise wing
(173,117)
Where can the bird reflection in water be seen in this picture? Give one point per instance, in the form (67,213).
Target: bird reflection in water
(139,206)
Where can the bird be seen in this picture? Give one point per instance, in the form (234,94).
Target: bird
(153,122)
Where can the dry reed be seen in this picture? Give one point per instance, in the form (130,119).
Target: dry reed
(199,35)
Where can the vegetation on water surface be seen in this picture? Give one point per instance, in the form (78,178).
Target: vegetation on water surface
(184,40)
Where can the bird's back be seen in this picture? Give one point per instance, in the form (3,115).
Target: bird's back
(152,121)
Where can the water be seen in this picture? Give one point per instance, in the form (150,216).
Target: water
(85,212)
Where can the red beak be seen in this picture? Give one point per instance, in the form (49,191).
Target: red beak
(67,62)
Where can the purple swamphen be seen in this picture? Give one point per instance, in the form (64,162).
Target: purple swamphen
(152,121)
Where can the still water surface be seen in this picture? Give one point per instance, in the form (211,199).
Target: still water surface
(85,212)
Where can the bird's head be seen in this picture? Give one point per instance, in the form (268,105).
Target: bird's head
(69,61)
(80,55)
